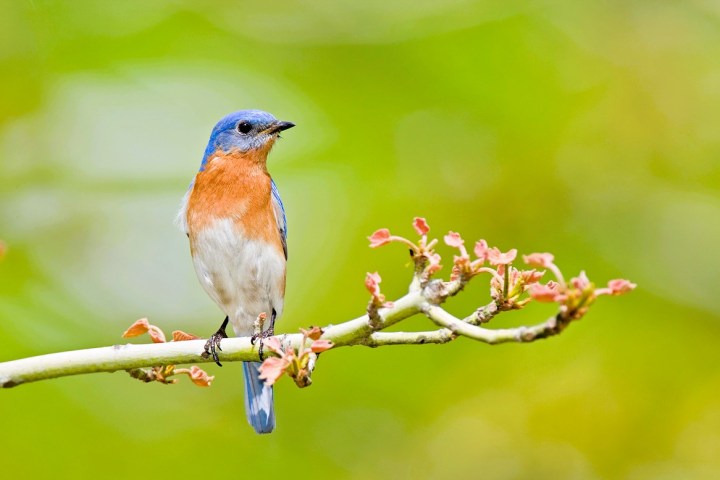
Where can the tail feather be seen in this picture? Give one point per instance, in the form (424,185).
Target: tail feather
(258,399)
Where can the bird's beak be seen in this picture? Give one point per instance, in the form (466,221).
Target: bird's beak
(279,126)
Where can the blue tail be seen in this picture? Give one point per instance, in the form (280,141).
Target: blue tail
(258,399)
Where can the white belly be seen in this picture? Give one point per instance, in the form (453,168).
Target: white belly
(245,277)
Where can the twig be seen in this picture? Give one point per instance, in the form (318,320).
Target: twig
(550,327)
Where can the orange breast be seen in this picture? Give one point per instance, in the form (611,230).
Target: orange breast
(234,185)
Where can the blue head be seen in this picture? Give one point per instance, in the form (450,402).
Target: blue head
(245,130)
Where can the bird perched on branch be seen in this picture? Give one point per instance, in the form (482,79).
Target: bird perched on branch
(235,220)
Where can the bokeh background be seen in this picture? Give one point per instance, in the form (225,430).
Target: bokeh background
(589,129)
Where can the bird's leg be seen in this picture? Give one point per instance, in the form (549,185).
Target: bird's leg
(271,330)
(259,333)
(213,343)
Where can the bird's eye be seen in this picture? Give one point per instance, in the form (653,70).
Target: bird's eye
(244,126)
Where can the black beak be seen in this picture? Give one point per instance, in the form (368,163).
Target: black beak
(280,126)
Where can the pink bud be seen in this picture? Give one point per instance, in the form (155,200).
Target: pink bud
(372,282)
(539,260)
(496,257)
(314,333)
(272,368)
(620,286)
(455,274)
(581,282)
(454,239)
(545,293)
(420,226)
(481,250)
(273,344)
(531,276)
(199,377)
(289,355)
(321,345)
(434,266)
(379,238)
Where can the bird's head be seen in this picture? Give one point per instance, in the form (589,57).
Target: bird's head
(246,131)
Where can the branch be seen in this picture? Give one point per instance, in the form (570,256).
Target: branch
(380,339)
(552,326)
(511,289)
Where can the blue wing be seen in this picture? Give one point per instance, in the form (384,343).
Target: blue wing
(279,210)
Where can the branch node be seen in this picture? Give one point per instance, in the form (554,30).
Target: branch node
(374,319)
(435,292)
(486,313)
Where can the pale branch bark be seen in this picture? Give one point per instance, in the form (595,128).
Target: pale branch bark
(379,339)
(552,326)
(359,331)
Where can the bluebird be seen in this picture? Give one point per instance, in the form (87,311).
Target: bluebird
(235,220)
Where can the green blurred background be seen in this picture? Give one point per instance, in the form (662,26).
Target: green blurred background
(589,129)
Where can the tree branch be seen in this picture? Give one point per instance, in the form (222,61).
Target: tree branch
(509,287)
(380,339)
(353,332)
(552,326)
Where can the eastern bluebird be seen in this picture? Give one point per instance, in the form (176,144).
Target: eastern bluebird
(235,220)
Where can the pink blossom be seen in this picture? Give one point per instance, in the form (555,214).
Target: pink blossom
(454,239)
(455,274)
(545,293)
(620,286)
(481,250)
(581,282)
(314,333)
(420,226)
(497,257)
(372,283)
(379,238)
(434,265)
(462,261)
(272,368)
(273,344)
(199,377)
(321,345)
(531,276)
(539,260)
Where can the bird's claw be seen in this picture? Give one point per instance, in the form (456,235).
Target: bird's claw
(262,336)
(213,343)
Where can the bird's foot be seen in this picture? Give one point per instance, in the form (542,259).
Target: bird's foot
(213,343)
(260,334)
